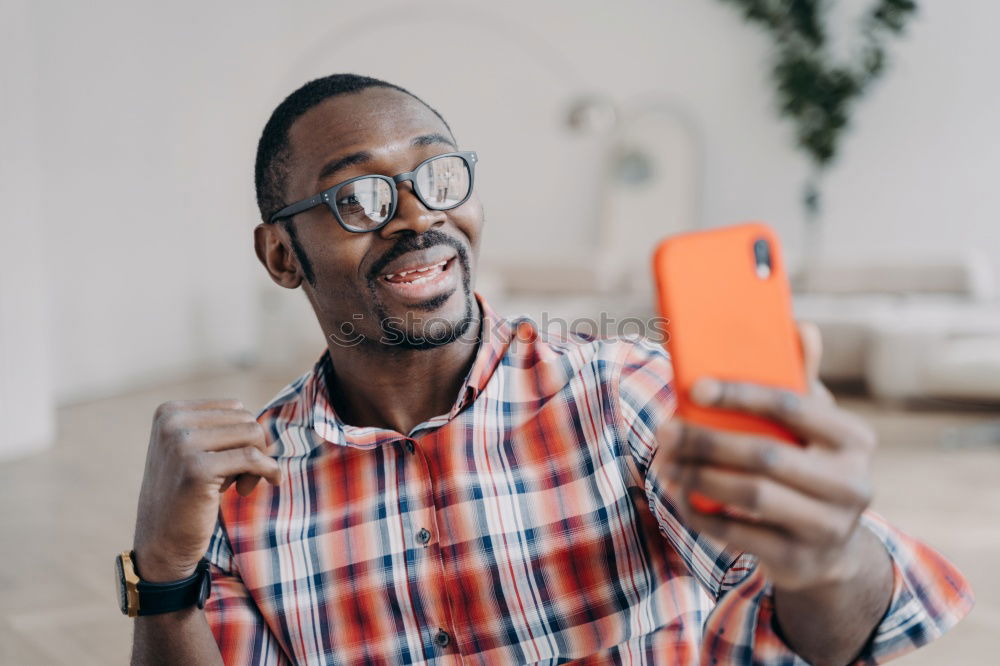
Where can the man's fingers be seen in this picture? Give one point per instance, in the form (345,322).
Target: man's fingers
(230,436)
(214,430)
(207,417)
(813,418)
(184,406)
(244,461)
(766,542)
(245,483)
(771,503)
(814,472)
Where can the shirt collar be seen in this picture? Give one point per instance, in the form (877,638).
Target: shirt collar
(494,339)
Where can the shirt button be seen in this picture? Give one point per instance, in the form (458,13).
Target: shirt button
(409,445)
(441,638)
(423,536)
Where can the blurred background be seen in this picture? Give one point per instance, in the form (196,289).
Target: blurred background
(128,277)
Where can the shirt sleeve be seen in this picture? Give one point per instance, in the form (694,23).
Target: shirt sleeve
(236,622)
(929,594)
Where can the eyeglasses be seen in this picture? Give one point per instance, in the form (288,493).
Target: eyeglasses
(368,203)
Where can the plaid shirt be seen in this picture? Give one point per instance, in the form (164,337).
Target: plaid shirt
(520,527)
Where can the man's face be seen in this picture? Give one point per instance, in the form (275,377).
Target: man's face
(409,283)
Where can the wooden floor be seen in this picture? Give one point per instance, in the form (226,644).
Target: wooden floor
(66,512)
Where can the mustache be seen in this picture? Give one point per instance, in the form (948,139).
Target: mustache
(409,243)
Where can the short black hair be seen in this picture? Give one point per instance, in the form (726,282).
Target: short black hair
(273,151)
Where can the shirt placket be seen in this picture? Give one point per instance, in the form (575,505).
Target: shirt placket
(441,643)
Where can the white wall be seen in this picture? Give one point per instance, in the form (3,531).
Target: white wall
(921,173)
(26,401)
(148,115)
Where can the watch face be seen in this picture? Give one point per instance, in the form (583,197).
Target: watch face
(120,584)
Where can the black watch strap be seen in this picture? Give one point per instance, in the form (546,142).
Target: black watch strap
(156,598)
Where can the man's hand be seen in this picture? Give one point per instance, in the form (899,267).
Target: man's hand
(196,450)
(803,502)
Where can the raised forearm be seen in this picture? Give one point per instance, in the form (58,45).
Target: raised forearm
(183,637)
(197,449)
(831,624)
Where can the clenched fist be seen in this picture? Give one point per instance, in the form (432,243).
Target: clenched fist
(197,449)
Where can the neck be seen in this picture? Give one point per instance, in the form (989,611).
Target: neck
(397,389)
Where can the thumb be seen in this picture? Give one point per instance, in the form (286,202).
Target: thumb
(811,345)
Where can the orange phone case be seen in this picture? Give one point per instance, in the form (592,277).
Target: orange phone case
(725,320)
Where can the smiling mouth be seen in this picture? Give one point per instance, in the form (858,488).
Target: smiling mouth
(419,274)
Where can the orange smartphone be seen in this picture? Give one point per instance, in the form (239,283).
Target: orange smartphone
(725,295)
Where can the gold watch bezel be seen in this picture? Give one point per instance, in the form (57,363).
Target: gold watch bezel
(131,583)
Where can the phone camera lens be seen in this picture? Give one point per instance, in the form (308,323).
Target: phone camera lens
(762,258)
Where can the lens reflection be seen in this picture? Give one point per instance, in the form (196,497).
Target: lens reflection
(444,182)
(365,203)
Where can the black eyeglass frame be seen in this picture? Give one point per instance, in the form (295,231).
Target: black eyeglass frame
(329,195)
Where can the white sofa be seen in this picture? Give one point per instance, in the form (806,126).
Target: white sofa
(908,329)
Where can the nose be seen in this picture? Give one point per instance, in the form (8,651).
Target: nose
(411,215)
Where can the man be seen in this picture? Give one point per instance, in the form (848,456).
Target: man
(446,485)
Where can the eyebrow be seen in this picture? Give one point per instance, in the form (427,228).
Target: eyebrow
(431,139)
(336,165)
(361,157)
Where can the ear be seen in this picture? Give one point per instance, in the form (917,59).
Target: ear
(274,249)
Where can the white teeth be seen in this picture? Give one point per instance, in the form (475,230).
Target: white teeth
(389,276)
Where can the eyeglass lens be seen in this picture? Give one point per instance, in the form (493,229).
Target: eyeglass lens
(364,203)
(441,183)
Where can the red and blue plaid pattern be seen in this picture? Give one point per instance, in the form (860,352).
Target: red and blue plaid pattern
(519,528)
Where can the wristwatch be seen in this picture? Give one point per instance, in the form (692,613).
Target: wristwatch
(140,597)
